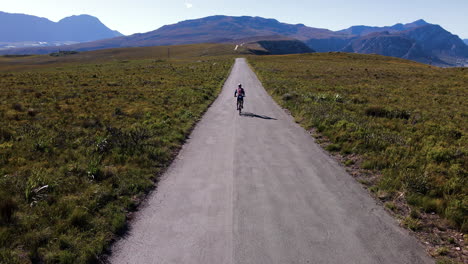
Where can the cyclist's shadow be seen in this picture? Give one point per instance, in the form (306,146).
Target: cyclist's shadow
(252,115)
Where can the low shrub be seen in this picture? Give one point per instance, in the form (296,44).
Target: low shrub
(79,218)
(391,206)
(411,223)
(18,107)
(333,147)
(5,134)
(442,251)
(289,97)
(9,257)
(446,260)
(32,112)
(8,207)
(378,111)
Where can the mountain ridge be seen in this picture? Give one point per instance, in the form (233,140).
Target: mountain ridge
(364,30)
(408,40)
(426,43)
(78,28)
(394,45)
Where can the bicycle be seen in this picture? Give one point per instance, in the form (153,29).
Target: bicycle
(240,104)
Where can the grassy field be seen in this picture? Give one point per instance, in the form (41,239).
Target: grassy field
(21,63)
(407,121)
(83,137)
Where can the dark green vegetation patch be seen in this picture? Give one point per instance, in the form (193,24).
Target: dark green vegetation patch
(81,144)
(409,121)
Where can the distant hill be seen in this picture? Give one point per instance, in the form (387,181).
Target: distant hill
(334,43)
(426,43)
(27,28)
(466,41)
(221,29)
(419,40)
(437,41)
(394,45)
(364,30)
(215,29)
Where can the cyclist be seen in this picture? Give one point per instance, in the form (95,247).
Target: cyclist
(240,94)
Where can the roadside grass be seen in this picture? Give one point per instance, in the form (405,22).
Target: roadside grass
(408,121)
(82,143)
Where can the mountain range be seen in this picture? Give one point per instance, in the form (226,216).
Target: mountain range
(27,28)
(419,41)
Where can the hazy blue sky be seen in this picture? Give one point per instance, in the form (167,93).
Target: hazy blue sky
(133,16)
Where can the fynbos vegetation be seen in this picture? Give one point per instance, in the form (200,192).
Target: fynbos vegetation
(81,144)
(408,121)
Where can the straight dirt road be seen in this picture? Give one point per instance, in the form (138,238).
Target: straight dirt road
(257,189)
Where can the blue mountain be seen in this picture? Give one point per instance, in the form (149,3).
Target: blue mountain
(82,28)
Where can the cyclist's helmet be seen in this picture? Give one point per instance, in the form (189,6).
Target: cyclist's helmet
(240,85)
